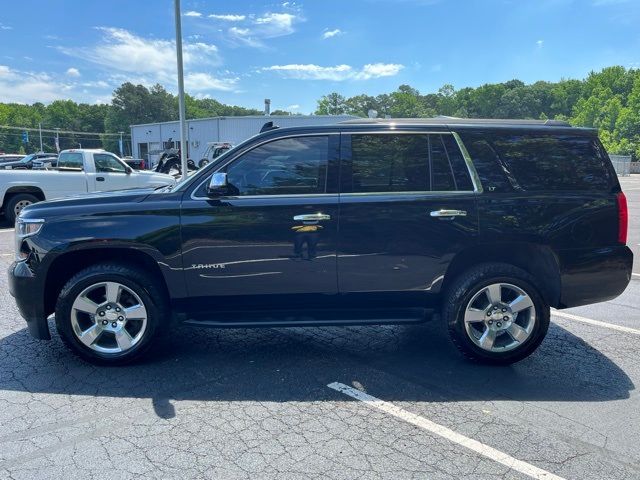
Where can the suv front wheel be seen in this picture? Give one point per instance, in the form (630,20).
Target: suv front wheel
(109,314)
(495,314)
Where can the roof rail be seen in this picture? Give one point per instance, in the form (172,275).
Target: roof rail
(446,120)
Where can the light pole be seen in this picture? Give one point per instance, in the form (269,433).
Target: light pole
(58,139)
(183,124)
(40,129)
(120,145)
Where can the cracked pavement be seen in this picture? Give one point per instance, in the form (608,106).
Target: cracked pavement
(240,403)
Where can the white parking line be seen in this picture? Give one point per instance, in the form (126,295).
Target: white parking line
(636,274)
(595,323)
(444,432)
(3,230)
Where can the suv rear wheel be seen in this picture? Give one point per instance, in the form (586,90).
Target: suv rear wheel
(109,314)
(495,314)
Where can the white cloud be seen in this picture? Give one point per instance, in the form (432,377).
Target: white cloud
(376,70)
(293,107)
(192,13)
(228,17)
(197,82)
(268,25)
(332,33)
(540,43)
(122,50)
(5,27)
(73,72)
(28,87)
(132,58)
(337,72)
(276,24)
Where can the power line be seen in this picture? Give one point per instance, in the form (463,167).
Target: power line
(30,129)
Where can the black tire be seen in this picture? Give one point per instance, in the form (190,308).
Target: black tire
(15,200)
(203,163)
(144,285)
(474,280)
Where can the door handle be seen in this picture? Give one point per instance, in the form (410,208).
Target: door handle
(449,213)
(312,217)
(99,179)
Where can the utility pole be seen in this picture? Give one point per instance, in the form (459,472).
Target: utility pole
(120,145)
(40,129)
(183,124)
(58,140)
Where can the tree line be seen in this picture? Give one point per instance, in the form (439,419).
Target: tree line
(608,100)
(131,104)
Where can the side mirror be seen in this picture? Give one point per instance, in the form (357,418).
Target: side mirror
(218,185)
(128,170)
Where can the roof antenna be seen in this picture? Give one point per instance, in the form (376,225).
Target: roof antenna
(268,126)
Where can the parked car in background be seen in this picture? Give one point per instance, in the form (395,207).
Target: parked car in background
(482,224)
(78,171)
(213,151)
(10,157)
(135,163)
(28,162)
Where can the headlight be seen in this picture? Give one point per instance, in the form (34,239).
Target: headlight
(25,227)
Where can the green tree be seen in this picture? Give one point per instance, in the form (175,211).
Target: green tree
(332,104)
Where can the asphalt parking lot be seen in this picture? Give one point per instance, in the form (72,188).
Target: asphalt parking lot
(288,403)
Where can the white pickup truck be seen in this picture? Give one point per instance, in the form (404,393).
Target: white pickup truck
(79,171)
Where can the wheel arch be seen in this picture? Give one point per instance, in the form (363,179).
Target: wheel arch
(30,189)
(66,265)
(538,260)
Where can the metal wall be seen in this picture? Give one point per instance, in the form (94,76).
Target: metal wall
(217,129)
(622,164)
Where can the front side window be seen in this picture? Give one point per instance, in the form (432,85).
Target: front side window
(406,163)
(289,166)
(106,163)
(71,161)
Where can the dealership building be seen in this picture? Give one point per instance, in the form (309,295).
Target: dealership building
(149,140)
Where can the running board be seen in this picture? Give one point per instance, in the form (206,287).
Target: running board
(315,318)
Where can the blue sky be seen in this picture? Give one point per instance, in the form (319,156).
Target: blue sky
(241,52)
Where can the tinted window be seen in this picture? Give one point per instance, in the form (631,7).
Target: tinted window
(282,167)
(71,160)
(390,163)
(536,162)
(492,173)
(441,174)
(406,163)
(458,164)
(552,162)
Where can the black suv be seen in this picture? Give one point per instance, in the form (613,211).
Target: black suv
(483,223)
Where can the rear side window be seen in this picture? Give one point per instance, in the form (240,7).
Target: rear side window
(553,162)
(71,160)
(405,163)
(538,162)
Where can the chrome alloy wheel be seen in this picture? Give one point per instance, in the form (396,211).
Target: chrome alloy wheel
(20,205)
(108,317)
(500,317)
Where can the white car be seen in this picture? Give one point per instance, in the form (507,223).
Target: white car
(79,171)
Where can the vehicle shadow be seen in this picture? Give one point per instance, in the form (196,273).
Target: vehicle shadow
(411,363)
